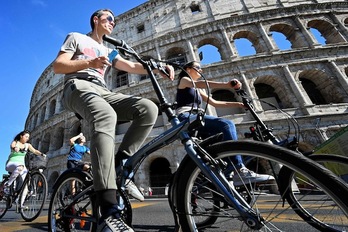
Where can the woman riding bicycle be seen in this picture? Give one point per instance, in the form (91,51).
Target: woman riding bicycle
(16,161)
(189,97)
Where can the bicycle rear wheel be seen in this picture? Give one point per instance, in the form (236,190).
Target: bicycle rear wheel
(306,199)
(33,196)
(71,208)
(197,202)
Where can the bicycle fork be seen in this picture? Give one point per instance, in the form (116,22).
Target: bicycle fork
(217,177)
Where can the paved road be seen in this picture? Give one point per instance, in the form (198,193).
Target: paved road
(143,219)
(152,215)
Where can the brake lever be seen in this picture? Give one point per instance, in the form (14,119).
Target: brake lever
(160,68)
(163,71)
(126,50)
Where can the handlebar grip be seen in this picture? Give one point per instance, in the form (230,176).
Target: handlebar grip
(113,41)
(234,83)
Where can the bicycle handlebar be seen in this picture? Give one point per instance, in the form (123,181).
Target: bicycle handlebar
(149,65)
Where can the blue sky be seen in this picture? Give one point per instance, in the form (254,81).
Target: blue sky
(32,33)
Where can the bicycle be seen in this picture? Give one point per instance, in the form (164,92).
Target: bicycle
(261,132)
(205,159)
(29,195)
(291,192)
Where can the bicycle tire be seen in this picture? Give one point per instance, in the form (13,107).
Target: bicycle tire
(65,216)
(303,207)
(227,216)
(3,201)
(35,197)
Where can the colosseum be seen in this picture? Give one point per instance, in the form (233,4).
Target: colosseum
(306,79)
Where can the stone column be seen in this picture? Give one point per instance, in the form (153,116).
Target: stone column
(230,52)
(192,54)
(265,37)
(157,50)
(247,89)
(308,36)
(303,100)
(340,77)
(342,29)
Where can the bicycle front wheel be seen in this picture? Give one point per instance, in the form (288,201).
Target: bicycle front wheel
(3,202)
(305,199)
(33,196)
(72,206)
(199,200)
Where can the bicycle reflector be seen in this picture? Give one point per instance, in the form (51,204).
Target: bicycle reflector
(83,222)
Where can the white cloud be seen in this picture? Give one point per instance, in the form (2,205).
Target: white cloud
(39,3)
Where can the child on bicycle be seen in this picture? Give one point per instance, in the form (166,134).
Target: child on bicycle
(16,161)
(84,61)
(187,97)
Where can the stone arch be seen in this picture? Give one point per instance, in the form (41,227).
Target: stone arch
(215,43)
(253,38)
(291,33)
(58,138)
(160,172)
(52,108)
(43,114)
(320,88)
(176,55)
(75,129)
(327,30)
(271,89)
(226,95)
(45,142)
(35,143)
(35,122)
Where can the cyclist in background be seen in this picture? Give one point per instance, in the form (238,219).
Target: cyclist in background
(16,161)
(77,151)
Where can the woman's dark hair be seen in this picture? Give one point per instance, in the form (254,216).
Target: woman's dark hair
(183,72)
(18,136)
(99,13)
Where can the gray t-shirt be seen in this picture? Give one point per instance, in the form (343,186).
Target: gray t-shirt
(84,47)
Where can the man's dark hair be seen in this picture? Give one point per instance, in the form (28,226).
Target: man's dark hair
(98,13)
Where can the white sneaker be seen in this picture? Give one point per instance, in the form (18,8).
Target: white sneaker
(133,190)
(112,224)
(24,207)
(245,176)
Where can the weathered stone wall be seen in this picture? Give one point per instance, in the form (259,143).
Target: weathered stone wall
(170,29)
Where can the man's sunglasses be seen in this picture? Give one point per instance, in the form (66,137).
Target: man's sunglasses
(110,19)
(197,67)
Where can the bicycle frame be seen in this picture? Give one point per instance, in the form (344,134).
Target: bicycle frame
(181,130)
(15,191)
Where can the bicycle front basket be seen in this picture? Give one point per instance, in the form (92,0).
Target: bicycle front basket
(33,162)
